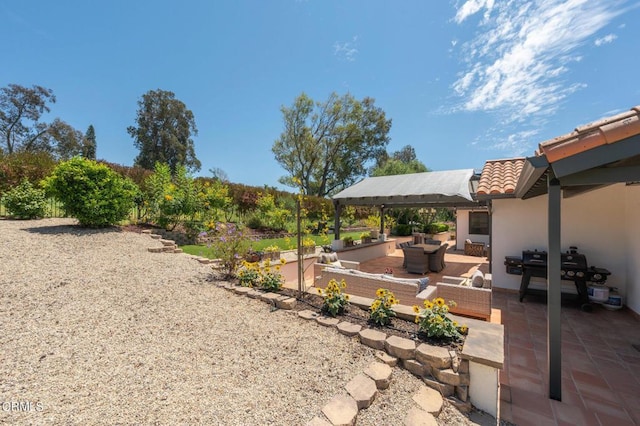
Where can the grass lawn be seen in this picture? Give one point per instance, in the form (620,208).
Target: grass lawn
(283,243)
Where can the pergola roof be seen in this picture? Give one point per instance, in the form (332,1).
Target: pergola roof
(451,188)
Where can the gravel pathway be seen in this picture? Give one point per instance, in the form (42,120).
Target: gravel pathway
(97,330)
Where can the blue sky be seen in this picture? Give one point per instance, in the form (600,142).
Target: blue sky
(463,81)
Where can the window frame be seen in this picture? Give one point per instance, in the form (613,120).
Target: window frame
(474,227)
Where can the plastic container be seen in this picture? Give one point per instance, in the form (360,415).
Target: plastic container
(613,302)
(598,293)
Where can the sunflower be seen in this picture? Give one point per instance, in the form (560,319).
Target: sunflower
(439,301)
(416,309)
(428,305)
(380,292)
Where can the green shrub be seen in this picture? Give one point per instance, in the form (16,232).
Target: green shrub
(436,227)
(402,230)
(16,167)
(91,192)
(25,202)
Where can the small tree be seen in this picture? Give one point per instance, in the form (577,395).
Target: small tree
(89,143)
(91,192)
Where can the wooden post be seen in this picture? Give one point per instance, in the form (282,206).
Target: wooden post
(554,294)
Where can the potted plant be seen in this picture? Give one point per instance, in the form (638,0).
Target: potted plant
(272,252)
(373,222)
(365,238)
(308,245)
(348,241)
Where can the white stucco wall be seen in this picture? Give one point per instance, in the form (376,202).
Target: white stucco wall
(598,222)
(632,299)
(462,230)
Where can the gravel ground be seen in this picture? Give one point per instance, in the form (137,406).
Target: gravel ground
(97,330)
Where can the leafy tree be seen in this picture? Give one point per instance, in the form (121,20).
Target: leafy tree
(89,144)
(63,140)
(20,112)
(91,192)
(163,132)
(219,174)
(398,163)
(398,167)
(325,146)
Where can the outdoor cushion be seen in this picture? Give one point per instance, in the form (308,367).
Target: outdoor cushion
(477,279)
(328,258)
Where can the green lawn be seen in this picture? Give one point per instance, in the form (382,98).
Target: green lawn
(283,243)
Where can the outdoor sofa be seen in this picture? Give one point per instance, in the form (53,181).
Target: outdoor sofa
(366,284)
(472,295)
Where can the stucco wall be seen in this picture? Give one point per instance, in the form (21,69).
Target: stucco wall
(462,230)
(597,222)
(632,299)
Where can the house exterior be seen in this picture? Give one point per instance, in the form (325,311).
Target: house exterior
(598,216)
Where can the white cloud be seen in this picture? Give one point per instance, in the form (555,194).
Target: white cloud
(605,40)
(517,62)
(471,7)
(346,50)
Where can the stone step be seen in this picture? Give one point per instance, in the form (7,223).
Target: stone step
(155,236)
(177,251)
(380,373)
(429,400)
(167,242)
(363,389)
(341,410)
(169,249)
(155,249)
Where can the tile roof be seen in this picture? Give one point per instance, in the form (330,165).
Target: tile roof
(606,131)
(500,177)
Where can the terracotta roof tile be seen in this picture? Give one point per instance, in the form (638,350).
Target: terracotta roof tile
(592,135)
(500,176)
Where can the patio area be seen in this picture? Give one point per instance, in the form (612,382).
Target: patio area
(600,355)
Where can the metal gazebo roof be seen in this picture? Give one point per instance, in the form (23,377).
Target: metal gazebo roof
(451,188)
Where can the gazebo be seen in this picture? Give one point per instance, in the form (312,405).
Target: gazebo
(450,188)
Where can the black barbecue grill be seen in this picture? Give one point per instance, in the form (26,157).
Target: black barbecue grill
(573,267)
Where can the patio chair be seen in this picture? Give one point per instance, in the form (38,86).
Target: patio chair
(436,260)
(417,260)
(473,249)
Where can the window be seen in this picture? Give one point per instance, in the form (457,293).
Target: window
(479,223)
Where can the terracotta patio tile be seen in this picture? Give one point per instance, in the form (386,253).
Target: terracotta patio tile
(573,414)
(606,420)
(606,408)
(525,417)
(533,401)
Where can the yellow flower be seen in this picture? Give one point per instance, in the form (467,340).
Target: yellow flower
(416,309)
(282,261)
(168,197)
(379,292)
(319,291)
(463,329)
(455,323)
(346,297)
(439,301)
(428,304)
(343,284)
